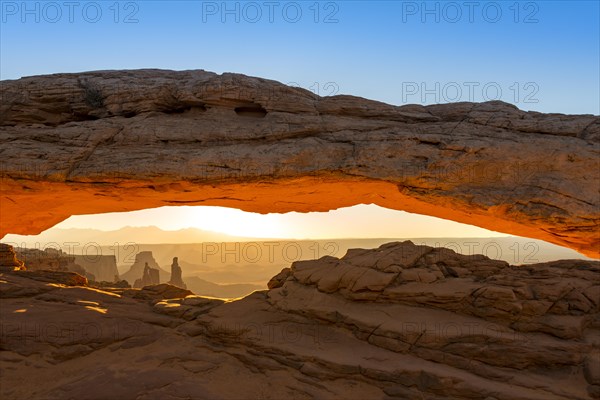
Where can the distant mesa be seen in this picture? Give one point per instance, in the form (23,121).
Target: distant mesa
(95,269)
(46,266)
(51,260)
(56,266)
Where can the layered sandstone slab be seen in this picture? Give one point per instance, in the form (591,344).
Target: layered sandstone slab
(401,321)
(126,140)
(8,259)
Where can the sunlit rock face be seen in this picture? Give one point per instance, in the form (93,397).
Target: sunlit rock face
(126,140)
(8,259)
(400,321)
(51,260)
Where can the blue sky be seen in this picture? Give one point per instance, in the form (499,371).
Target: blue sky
(541,56)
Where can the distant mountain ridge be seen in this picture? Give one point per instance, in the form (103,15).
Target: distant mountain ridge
(136,234)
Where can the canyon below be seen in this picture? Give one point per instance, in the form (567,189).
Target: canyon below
(226,266)
(399,321)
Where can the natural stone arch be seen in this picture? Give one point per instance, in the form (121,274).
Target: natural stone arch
(128,140)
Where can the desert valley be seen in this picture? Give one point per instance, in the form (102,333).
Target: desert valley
(422,322)
(226,266)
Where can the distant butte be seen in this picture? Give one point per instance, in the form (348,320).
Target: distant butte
(110,141)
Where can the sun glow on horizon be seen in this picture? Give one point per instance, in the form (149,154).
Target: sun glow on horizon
(232,221)
(361,221)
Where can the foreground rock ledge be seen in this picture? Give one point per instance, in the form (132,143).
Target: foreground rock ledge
(126,140)
(401,321)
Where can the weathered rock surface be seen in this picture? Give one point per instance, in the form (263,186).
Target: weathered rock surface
(125,140)
(67,278)
(161,291)
(401,321)
(122,284)
(51,260)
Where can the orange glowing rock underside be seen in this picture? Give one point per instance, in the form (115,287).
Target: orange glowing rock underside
(113,141)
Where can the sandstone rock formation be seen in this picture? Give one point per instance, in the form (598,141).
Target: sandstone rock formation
(8,259)
(66,278)
(137,269)
(160,292)
(176,279)
(93,268)
(126,140)
(278,280)
(401,321)
(149,277)
(51,260)
(123,284)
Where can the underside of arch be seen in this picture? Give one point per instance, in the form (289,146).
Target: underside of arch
(127,140)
